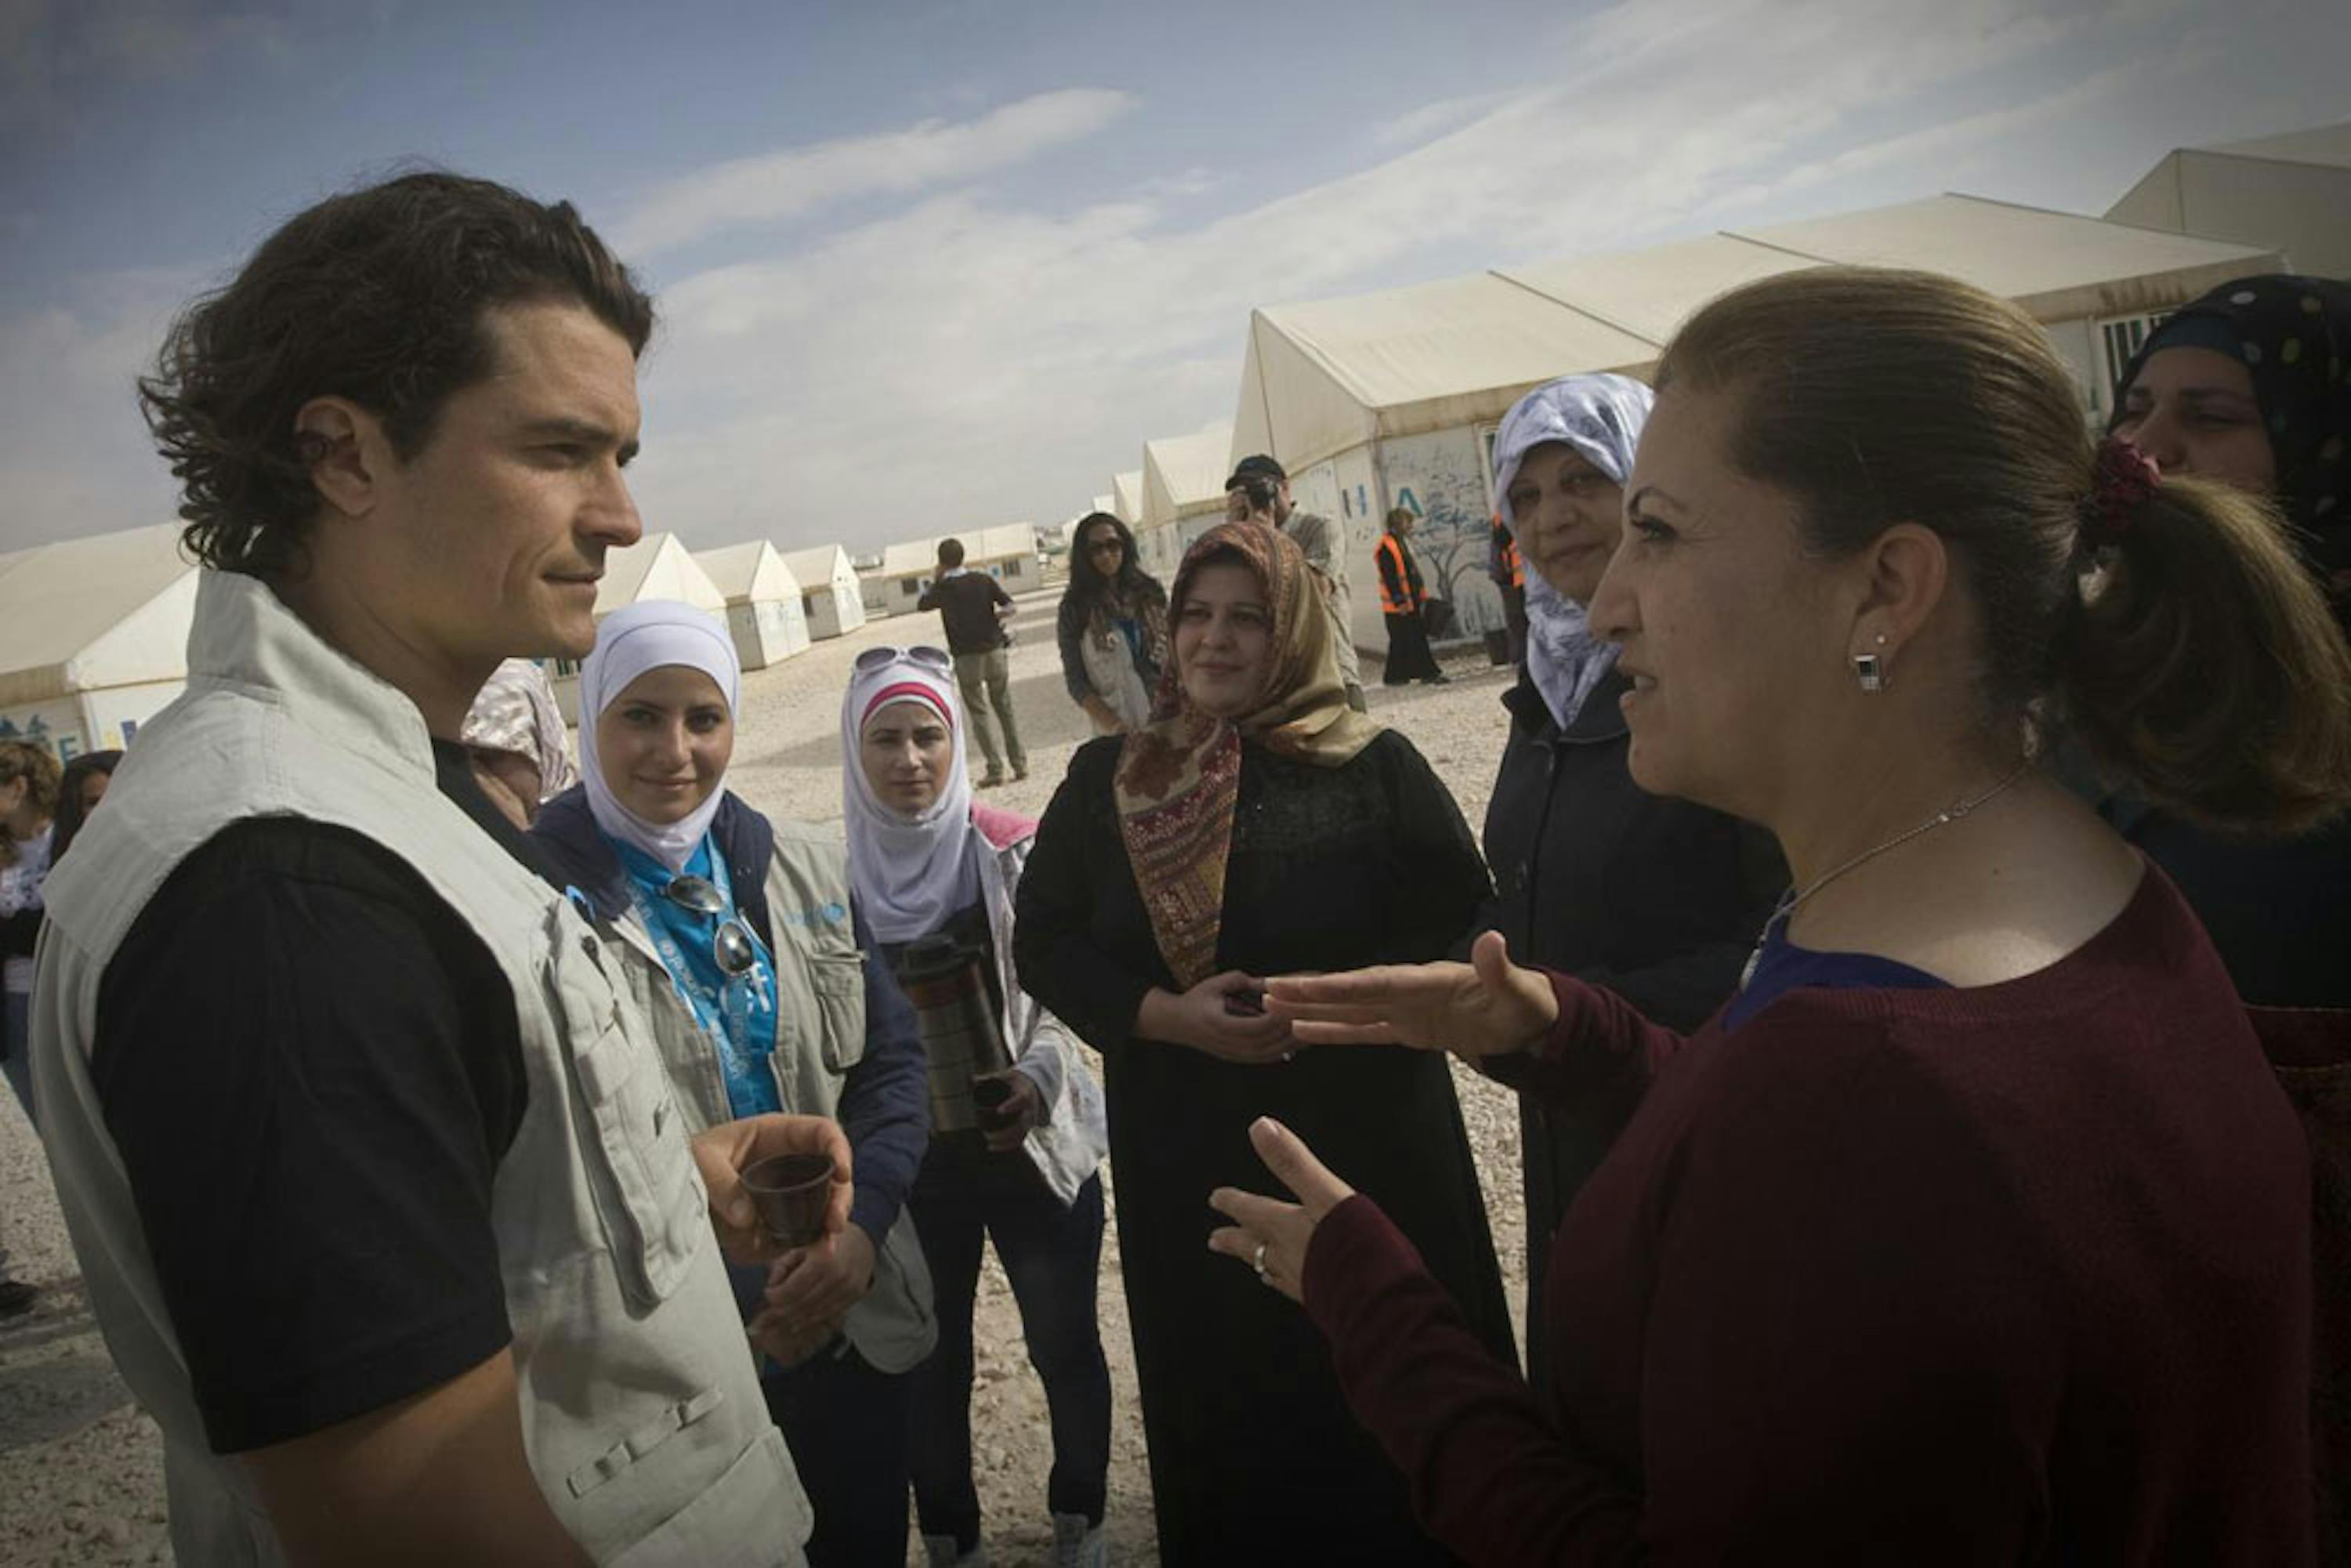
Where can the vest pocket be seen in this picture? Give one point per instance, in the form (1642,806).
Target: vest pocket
(673,1419)
(632,1132)
(839,980)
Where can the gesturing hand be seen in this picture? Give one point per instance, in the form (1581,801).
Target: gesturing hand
(723,1152)
(1267,1234)
(1222,1017)
(1487,1006)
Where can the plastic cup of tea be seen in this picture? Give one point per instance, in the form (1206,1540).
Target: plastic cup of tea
(793,1194)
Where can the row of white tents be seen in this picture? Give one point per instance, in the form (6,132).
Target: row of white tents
(1380,400)
(1392,399)
(94,630)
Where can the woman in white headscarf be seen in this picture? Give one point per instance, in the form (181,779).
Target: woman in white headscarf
(1658,899)
(1018,1138)
(744,943)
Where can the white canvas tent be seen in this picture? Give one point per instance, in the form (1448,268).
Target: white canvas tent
(2290,193)
(1006,552)
(1183,493)
(657,566)
(93,637)
(763,602)
(830,600)
(1126,496)
(1391,399)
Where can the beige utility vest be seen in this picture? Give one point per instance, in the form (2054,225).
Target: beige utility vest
(640,1409)
(820,1036)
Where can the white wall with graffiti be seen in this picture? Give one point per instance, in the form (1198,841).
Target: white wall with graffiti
(767,630)
(1440,479)
(100,720)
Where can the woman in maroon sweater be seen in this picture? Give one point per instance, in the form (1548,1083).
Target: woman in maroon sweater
(1974,1229)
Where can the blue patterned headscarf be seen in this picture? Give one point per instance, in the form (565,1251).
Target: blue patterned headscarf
(1600,417)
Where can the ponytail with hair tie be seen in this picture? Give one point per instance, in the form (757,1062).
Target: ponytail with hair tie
(2123,480)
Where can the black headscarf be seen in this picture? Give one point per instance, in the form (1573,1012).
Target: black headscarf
(2293,335)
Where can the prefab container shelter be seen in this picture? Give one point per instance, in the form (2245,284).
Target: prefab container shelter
(830,600)
(1006,552)
(1392,399)
(763,602)
(93,637)
(2290,193)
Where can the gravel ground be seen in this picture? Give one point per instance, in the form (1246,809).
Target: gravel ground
(81,1468)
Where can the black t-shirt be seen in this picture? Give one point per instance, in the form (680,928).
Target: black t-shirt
(312,1068)
(967,603)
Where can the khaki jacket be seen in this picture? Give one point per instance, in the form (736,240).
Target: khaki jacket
(820,1035)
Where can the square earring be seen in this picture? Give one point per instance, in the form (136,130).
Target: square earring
(1870,671)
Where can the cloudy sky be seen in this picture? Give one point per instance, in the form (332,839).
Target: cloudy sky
(934,264)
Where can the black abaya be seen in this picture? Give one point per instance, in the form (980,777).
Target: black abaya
(1254,1457)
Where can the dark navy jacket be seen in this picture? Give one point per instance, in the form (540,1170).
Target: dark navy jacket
(885,1107)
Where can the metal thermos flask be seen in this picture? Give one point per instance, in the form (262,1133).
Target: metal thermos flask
(957,1014)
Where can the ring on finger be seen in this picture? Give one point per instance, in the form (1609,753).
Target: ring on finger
(1258,1261)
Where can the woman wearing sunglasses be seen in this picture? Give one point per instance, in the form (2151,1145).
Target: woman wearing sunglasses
(742,941)
(1112,626)
(1016,1124)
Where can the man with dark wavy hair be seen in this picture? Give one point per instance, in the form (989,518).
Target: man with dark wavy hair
(381,1200)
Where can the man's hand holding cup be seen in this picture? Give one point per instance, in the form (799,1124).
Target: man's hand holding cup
(776,1183)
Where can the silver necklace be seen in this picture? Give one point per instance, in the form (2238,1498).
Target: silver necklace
(1789,900)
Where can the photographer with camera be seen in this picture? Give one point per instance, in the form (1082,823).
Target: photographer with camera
(1259,492)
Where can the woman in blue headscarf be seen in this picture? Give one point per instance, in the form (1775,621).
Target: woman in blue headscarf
(1655,898)
(741,940)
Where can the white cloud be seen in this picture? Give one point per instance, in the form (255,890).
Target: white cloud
(54,53)
(966,361)
(773,186)
(966,358)
(1418,125)
(72,443)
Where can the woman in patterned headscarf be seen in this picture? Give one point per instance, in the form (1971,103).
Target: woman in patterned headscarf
(514,734)
(2252,385)
(1658,899)
(1256,825)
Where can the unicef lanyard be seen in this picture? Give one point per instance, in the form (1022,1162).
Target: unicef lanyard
(725,1010)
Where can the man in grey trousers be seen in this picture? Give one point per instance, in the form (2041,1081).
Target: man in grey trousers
(973,608)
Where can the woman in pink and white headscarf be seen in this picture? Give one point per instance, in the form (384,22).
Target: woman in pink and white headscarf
(1015,1151)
